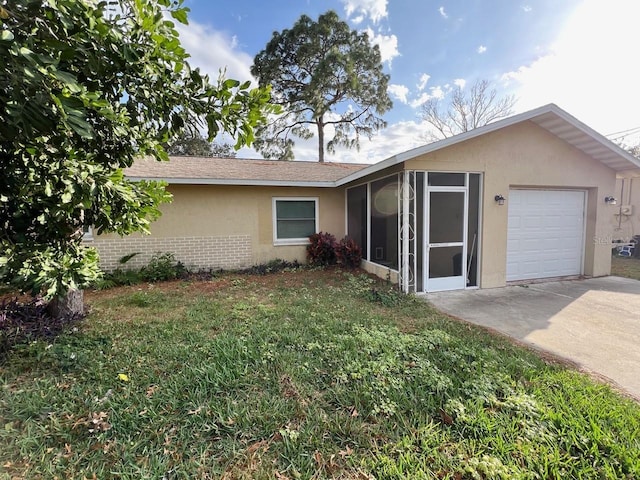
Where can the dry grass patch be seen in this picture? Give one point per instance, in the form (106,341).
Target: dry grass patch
(628,267)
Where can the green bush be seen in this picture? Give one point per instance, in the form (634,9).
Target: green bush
(364,286)
(163,266)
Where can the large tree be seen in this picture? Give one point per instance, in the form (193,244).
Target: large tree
(85,92)
(194,144)
(465,109)
(322,74)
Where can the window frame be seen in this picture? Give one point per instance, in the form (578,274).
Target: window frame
(274,214)
(87,235)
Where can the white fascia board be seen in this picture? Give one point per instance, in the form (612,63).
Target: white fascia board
(249,183)
(604,141)
(431,147)
(521,117)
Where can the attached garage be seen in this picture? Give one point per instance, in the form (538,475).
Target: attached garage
(545,233)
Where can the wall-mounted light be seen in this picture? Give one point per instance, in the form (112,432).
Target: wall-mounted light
(499,199)
(609,200)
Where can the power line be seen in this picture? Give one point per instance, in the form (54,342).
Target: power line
(623,133)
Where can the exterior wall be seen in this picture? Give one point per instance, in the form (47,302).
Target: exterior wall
(625,222)
(525,155)
(380,271)
(199,253)
(218,226)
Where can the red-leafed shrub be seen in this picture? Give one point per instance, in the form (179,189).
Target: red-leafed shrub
(322,249)
(349,253)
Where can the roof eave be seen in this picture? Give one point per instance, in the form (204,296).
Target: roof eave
(529,115)
(599,138)
(236,182)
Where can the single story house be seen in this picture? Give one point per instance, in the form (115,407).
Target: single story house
(528,197)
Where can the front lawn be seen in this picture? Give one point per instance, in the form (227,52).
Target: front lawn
(305,374)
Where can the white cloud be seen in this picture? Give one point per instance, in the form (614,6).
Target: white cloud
(212,51)
(424,78)
(443,13)
(460,82)
(527,8)
(437,92)
(376,10)
(594,77)
(482,49)
(388,45)
(399,92)
(357,20)
(396,138)
(418,102)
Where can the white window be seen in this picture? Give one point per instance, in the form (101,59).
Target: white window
(294,219)
(87,233)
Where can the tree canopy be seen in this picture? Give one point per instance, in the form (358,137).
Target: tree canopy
(322,74)
(84,93)
(194,144)
(465,110)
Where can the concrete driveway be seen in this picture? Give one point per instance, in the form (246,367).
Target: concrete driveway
(594,323)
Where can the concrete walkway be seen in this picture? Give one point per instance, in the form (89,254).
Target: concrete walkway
(594,323)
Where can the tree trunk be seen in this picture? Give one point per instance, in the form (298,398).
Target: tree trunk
(71,304)
(320,140)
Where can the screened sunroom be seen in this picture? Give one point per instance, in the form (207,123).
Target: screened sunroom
(422,227)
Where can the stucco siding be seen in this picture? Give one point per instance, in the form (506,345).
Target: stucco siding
(625,218)
(217,226)
(526,156)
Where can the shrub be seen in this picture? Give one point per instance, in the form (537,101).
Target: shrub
(322,249)
(272,266)
(117,278)
(163,266)
(374,291)
(349,253)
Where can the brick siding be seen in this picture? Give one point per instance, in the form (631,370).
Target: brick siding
(195,253)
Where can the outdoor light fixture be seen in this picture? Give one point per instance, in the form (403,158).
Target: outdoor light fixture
(609,200)
(500,199)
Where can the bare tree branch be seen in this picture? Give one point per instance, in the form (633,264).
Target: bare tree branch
(466,110)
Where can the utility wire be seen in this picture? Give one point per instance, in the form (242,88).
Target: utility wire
(623,133)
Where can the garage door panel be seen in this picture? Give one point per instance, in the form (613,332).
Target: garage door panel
(545,234)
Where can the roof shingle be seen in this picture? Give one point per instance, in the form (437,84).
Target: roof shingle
(238,171)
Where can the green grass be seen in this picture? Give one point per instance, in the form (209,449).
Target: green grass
(625,267)
(308,374)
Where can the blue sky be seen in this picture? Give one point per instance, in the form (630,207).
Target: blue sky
(579,54)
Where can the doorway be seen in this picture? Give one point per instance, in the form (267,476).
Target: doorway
(451,231)
(446,247)
(439,231)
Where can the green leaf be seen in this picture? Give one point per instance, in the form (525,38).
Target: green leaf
(181,15)
(99,92)
(80,126)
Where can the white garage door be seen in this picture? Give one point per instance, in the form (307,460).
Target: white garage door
(545,234)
